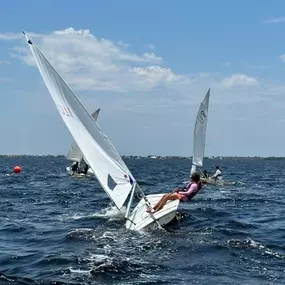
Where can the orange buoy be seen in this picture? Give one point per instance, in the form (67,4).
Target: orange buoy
(17,169)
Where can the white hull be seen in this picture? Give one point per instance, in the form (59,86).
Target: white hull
(72,173)
(141,220)
(212,181)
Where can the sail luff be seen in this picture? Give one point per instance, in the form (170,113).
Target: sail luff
(98,151)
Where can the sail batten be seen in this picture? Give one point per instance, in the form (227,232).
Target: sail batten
(199,135)
(97,150)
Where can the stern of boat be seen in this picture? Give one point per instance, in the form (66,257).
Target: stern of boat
(141,220)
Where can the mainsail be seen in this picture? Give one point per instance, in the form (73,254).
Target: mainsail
(106,163)
(199,136)
(74,153)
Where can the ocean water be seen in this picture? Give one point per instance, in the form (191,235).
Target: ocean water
(56,229)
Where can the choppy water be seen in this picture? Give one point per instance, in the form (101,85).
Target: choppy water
(56,229)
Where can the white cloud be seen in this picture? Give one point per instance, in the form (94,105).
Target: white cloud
(154,76)
(275,20)
(163,102)
(151,57)
(239,80)
(90,63)
(10,36)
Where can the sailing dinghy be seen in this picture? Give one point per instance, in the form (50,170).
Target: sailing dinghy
(199,135)
(75,155)
(106,163)
(199,140)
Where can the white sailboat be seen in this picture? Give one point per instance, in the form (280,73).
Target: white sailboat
(106,163)
(199,138)
(199,135)
(75,154)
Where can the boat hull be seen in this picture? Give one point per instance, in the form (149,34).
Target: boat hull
(75,174)
(141,220)
(212,181)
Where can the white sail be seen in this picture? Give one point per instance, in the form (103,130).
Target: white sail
(74,153)
(199,136)
(107,165)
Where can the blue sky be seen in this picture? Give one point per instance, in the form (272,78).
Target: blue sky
(148,65)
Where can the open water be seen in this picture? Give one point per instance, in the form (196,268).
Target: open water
(56,229)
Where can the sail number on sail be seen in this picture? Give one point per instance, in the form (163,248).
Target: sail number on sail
(202,116)
(64,110)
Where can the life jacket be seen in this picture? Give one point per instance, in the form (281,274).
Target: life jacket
(195,192)
(186,188)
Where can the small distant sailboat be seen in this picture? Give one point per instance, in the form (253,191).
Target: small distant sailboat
(199,139)
(199,135)
(99,153)
(76,156)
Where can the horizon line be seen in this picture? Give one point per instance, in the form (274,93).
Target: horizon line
(149,156)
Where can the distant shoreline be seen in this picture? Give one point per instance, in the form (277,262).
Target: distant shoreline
(159,157)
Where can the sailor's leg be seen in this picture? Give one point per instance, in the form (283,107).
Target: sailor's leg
(161,200)
(165,198)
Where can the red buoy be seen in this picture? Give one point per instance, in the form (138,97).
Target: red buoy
(17,169)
